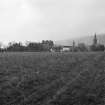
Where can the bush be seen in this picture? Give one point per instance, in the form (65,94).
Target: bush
(99,47)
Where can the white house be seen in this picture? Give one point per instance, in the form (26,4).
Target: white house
(66,48)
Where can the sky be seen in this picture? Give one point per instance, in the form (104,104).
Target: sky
(36,20)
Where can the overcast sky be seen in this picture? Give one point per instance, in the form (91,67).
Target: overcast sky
(35,20)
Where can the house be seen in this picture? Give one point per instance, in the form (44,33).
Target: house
(63,48)
(66,48)
(56,48)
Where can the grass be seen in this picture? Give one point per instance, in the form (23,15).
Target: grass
(52,78)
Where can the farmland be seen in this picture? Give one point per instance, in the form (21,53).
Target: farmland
(52,78)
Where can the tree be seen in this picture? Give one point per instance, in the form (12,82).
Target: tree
(57,48)
(99,47)
(82,47)
(14,46)
(47,45)
(32,46)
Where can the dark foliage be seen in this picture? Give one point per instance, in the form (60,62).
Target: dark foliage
(98,47)
(30,47)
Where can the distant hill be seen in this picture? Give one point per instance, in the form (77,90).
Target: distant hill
(87,40)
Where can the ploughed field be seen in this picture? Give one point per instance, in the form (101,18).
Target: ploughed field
(52,78)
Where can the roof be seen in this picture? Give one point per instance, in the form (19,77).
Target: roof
(67,46)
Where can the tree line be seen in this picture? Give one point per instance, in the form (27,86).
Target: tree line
(82,47)
(47,46)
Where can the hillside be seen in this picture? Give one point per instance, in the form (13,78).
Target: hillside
(87,40)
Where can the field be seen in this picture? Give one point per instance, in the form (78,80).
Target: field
(52,78)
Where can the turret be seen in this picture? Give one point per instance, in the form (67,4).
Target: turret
(73,46)
(95,40)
